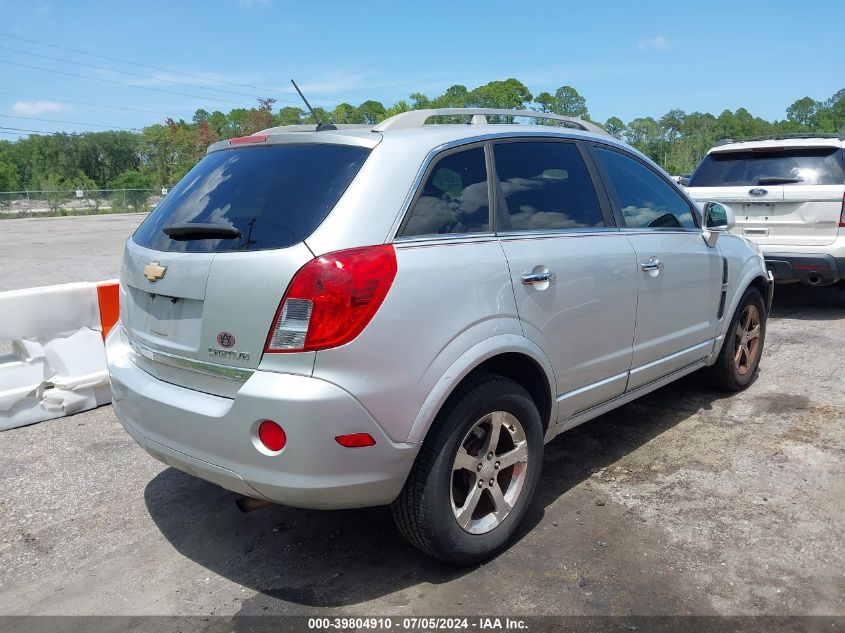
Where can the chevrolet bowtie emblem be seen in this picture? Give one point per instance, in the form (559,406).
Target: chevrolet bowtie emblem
(154,271)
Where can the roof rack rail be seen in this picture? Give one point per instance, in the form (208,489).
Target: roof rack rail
(478,116)
(780,137)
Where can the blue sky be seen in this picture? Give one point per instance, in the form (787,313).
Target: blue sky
(628,59)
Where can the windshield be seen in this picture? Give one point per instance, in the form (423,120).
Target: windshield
(255,198)
(771,166)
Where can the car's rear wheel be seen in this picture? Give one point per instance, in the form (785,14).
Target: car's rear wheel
(476,472)
(738,361)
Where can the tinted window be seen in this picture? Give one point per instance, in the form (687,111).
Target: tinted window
(544,186)
(772,166)
(453,198)
(275,195)
(646,200)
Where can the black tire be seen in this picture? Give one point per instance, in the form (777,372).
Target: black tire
(423,511)
(724,374)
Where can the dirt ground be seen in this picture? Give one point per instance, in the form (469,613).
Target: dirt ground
(686,501)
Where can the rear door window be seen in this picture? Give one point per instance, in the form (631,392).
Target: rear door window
(646,200)
(771,166)
(544,185)
(275,195)
(453,198)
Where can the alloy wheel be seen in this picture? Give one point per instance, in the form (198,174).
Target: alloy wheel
(747,340)
(489,471)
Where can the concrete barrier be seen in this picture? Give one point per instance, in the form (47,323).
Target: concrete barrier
(54,363)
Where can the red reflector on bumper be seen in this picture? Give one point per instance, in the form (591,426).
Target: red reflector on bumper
(355,440)
(272,435)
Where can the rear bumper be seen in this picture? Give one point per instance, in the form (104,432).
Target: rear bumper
(212,437)
(813,269)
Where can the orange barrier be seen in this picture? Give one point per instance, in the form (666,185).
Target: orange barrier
(107,298)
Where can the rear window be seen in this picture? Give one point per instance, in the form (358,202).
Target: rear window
(275,195)
(777,166)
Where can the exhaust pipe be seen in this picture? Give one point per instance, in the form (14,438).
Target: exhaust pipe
(248,504)
(814,279)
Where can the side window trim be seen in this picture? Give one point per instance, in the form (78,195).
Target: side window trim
(614,197)
(610,220)
(431,164)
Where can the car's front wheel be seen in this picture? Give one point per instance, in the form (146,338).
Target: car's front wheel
(738,361)
(476,472)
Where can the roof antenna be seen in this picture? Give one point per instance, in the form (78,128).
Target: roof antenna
(320,125)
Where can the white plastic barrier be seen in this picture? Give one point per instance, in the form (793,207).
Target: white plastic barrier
(56,365)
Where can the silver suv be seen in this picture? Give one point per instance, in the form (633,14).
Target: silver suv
(789,196)
(405,313)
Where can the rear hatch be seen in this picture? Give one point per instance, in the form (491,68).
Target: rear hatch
(203,275)
(780,194)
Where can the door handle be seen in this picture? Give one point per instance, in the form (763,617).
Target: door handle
(652,265)
(535,278)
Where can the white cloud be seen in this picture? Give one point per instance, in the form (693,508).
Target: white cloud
(655,43)
(38,107)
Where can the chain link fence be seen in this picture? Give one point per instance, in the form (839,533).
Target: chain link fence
(25,204)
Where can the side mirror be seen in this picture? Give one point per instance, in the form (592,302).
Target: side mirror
(718,218)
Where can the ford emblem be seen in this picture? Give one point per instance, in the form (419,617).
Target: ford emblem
(758,192)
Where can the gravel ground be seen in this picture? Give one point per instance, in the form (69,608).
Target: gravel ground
(683,502)
(46,251)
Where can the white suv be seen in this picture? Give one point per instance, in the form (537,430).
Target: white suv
(788,195)
(404,313)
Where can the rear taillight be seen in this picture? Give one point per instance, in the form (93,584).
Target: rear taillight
(842,213)
(332,299)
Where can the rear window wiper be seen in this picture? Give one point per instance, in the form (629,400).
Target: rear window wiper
(777,180)
(199,231)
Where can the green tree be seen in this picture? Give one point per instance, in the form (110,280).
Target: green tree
(615,126)
(372,111)
(569,102)
(397,108)
(321,114)
(289,116)
(803,111)
(136,190)
(347,113)
(644,133)
(546,101)
(200,115)
(509,94)
(8,176)
(219,123)
(239,122)
(455,97)
(419,101)
(104,155)
(54,192)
